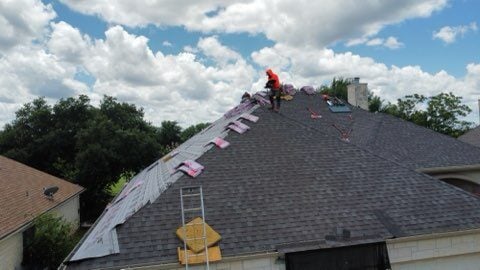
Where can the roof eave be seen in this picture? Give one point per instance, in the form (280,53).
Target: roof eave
(462,168)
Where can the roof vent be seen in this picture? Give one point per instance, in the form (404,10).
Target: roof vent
(340,234)
(49,191)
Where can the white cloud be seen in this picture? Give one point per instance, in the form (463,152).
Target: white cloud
(175,87)
(67,43)
(318,66)
(375,42)
(167,43)
(207,78)
(393,43)
(312,23)
(212,48)
(22,21)
(449,34)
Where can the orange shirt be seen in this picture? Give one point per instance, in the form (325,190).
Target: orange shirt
(273,77)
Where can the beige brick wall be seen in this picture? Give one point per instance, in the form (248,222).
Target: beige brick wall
(11,252)
(441,252)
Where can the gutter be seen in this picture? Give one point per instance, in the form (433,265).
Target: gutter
(436,253)
(167,266)
(431,236)
(449,169)
(27,224)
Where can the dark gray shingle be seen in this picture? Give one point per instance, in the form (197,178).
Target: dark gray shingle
(472,137)
(290,179)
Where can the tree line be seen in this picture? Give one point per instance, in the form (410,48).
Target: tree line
(442,113)
(87,145)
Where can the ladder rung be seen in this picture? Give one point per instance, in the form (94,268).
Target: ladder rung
(191,195)
(192,209)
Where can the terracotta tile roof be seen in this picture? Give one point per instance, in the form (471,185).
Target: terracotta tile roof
(21,194)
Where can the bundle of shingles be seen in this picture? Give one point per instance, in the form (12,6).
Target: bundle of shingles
(201,243)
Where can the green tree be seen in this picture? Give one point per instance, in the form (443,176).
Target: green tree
(441,113)
(25,138)
(51,243)
(192,130)
(375,103)
(81,143)
(338,88)
(169,133)
(444,111)
(116,140)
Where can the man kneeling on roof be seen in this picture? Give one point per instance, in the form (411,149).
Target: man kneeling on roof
(273,84)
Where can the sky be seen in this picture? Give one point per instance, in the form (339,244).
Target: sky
(191,60)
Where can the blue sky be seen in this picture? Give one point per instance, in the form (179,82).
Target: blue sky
(202,55)
(421,49)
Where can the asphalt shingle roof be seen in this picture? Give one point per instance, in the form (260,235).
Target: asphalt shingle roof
(472,137)
(21,194)
(290,179)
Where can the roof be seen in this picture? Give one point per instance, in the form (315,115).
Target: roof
(290,179)
(22,198)
(471,137)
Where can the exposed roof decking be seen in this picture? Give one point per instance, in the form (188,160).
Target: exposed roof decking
(147,185)
(288,180)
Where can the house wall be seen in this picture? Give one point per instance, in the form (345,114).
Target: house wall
(11,252)
(254,262)
(245,264)
(446,251)
(11,248)
(70,211)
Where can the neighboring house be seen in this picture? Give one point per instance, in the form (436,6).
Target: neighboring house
(472,137)
(302,188)
(22,199)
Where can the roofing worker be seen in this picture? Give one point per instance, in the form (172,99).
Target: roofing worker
(273,84)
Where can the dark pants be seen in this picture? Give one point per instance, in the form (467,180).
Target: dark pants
(275,94)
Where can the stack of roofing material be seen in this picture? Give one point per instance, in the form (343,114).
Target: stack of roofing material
(289,89)
(260,98)
(309,90)
(146,186)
